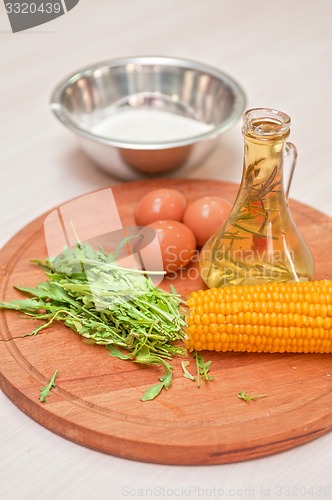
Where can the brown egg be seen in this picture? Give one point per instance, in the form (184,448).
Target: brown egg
(160,204)
(205,216)
(177,243)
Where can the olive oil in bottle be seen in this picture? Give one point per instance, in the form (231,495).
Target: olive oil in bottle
(259,243)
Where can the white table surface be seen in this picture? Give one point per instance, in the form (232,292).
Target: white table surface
(281,52)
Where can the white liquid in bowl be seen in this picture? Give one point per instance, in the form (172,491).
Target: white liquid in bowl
(149,125)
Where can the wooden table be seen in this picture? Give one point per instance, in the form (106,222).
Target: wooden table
(282,58)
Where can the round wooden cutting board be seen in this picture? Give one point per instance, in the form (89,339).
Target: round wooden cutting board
(97,399)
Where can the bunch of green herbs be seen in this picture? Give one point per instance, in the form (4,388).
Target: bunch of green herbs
(111,305)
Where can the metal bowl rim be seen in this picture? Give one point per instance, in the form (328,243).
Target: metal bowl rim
(239,94)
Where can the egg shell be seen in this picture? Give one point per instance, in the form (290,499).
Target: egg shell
(177,243)
(205,216)
(160,204)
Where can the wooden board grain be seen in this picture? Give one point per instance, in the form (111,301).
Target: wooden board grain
(97,399)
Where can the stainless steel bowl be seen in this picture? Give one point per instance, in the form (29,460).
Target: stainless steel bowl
(95,95)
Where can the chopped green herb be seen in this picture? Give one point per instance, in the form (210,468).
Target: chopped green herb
(165,383)
(202,368)
(45,391)
(186,373)
(243,395)
(108,305)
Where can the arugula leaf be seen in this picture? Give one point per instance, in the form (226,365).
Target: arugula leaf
(117,353)
(152,392)
(186,374)
(125,241)
(45,391)
(19,305)
(202,368)
(49,290)
(245,397)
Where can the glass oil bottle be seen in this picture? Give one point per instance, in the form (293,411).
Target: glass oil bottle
(259,242)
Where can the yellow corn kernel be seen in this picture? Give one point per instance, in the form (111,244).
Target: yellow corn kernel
(278,317)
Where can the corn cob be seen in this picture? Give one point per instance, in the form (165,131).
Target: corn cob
(276,317)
